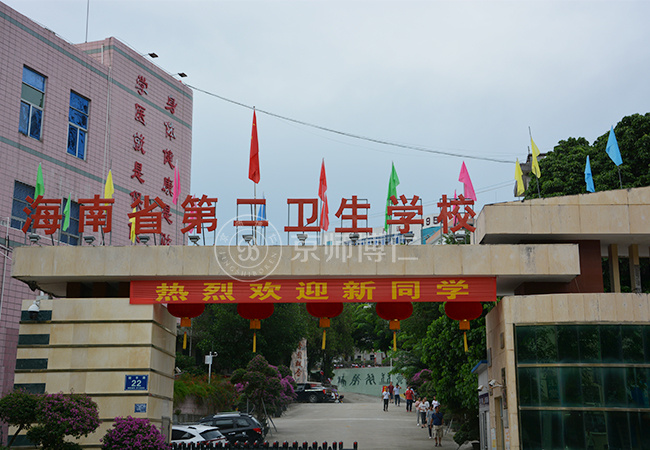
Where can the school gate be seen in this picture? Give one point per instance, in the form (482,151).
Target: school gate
(104,329)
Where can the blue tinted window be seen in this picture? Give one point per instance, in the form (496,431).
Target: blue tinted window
(79,103)
(31,106)
(21,192)
(24,118)
(78,125)
(33,79)
(35,126)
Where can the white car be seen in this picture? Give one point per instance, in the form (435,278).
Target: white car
(197,434)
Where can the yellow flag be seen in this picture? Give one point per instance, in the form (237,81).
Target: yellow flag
(519,176)
(132,221)
(535,166)
(109,189)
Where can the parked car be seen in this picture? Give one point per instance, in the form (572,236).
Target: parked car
(197,434)
(236,426)
(313,393)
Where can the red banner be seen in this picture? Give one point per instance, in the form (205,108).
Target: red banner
(450,289)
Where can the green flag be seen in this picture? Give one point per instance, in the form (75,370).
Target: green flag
(40,186)
(66,215)
(393,182)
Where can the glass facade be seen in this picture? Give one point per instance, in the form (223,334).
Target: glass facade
(583,386)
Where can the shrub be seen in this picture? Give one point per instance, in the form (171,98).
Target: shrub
(219,395)
(60,415)
(130,432)
(264,387)
(18,408)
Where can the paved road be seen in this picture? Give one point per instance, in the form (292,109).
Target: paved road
(359,418)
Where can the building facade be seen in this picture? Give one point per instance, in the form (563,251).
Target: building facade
(80,111)
(569,364)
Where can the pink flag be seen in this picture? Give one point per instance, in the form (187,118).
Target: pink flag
(464,178)
(177,185)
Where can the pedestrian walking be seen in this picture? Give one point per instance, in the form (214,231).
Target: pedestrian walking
(424,406)
(417,410)
(386,396)
(391,389)
(396,392)
(430,421)
(408,395)
(438,422)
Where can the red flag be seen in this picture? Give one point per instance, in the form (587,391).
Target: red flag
(322,194)
(254,164)
(322,187)
(325,216)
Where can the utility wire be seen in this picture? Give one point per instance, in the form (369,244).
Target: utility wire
(353,136)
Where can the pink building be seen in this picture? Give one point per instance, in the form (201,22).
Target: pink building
(80,110)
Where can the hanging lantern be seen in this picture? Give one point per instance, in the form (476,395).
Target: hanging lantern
(255,312)
(464,312)
(324,312)
(185,312)
(394,312)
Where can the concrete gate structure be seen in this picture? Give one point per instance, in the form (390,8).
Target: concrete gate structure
(90,338)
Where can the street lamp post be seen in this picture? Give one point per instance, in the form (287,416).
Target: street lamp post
(208,361)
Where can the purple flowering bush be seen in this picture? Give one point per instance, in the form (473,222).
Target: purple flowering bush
(265,387)
(60,415)
(131,432)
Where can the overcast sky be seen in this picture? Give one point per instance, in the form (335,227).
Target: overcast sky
(462,77)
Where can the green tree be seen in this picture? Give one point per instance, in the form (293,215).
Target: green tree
(338,342)
(563,169)
(369,331)
(451,379)
(18,408)
(221,329)
(409,358)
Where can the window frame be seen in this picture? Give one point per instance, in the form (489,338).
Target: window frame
(32,109)
(77,128)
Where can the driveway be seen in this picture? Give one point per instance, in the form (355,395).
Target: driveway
(360,418)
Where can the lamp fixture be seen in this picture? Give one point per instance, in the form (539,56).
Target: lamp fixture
(354,237)
(152,55)
(408,237)
(144,239)
(182,74)
(194,239)
(34,238)
(302,237)
(248,238)
(89,240)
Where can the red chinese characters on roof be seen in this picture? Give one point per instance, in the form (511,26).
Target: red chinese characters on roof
(45,214)
(147,220)
(96,213)
(450,211)
(356,214)
(405,214)
(301,225)
(198,213)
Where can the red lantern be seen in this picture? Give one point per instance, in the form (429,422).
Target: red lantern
(464,312)
(255,312)
(394,312)
(185,312)
(324,312)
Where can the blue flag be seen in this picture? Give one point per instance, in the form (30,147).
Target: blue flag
(588,178)
(612,148)
(261,213)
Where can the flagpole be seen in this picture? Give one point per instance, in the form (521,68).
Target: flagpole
(620,182)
